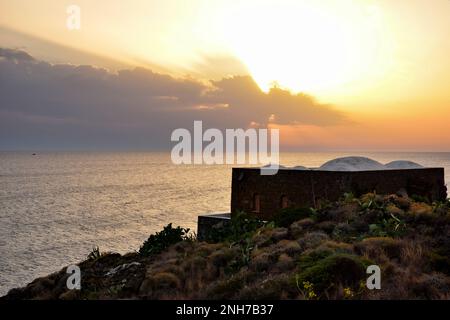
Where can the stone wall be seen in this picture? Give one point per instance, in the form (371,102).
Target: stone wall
(309,187)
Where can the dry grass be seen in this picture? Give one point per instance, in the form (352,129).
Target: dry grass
(407,239)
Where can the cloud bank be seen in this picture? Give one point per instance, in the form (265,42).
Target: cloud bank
(64,106)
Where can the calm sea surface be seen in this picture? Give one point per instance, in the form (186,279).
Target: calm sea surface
(54,207)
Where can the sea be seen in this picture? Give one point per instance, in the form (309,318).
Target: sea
(56,206)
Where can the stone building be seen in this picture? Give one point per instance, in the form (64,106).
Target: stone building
(265,195)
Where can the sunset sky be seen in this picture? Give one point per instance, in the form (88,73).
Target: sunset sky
(348,75)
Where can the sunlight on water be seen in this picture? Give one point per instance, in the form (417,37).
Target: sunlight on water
(56,206)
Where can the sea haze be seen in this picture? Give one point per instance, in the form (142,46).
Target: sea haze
(55,206)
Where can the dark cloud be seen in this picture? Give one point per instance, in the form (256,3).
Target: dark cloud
(46,105)
(15,55)
(43,49)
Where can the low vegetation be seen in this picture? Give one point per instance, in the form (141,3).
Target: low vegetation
(303,253)
(161,240)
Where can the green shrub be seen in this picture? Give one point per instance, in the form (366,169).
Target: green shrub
(161,240)
(348,197)
(241,226)
(287,216)
(332,270)
(418,198)
(441,208)
(310,259)
(94,254)
(390,225)
(245,248)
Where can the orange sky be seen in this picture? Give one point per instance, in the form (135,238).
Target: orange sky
(384,64)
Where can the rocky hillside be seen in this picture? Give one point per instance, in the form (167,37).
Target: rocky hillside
(302,254)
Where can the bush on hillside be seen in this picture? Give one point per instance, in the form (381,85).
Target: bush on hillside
(289,215)
(161,240)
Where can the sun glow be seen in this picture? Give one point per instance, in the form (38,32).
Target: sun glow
(362,56)
(315,46)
